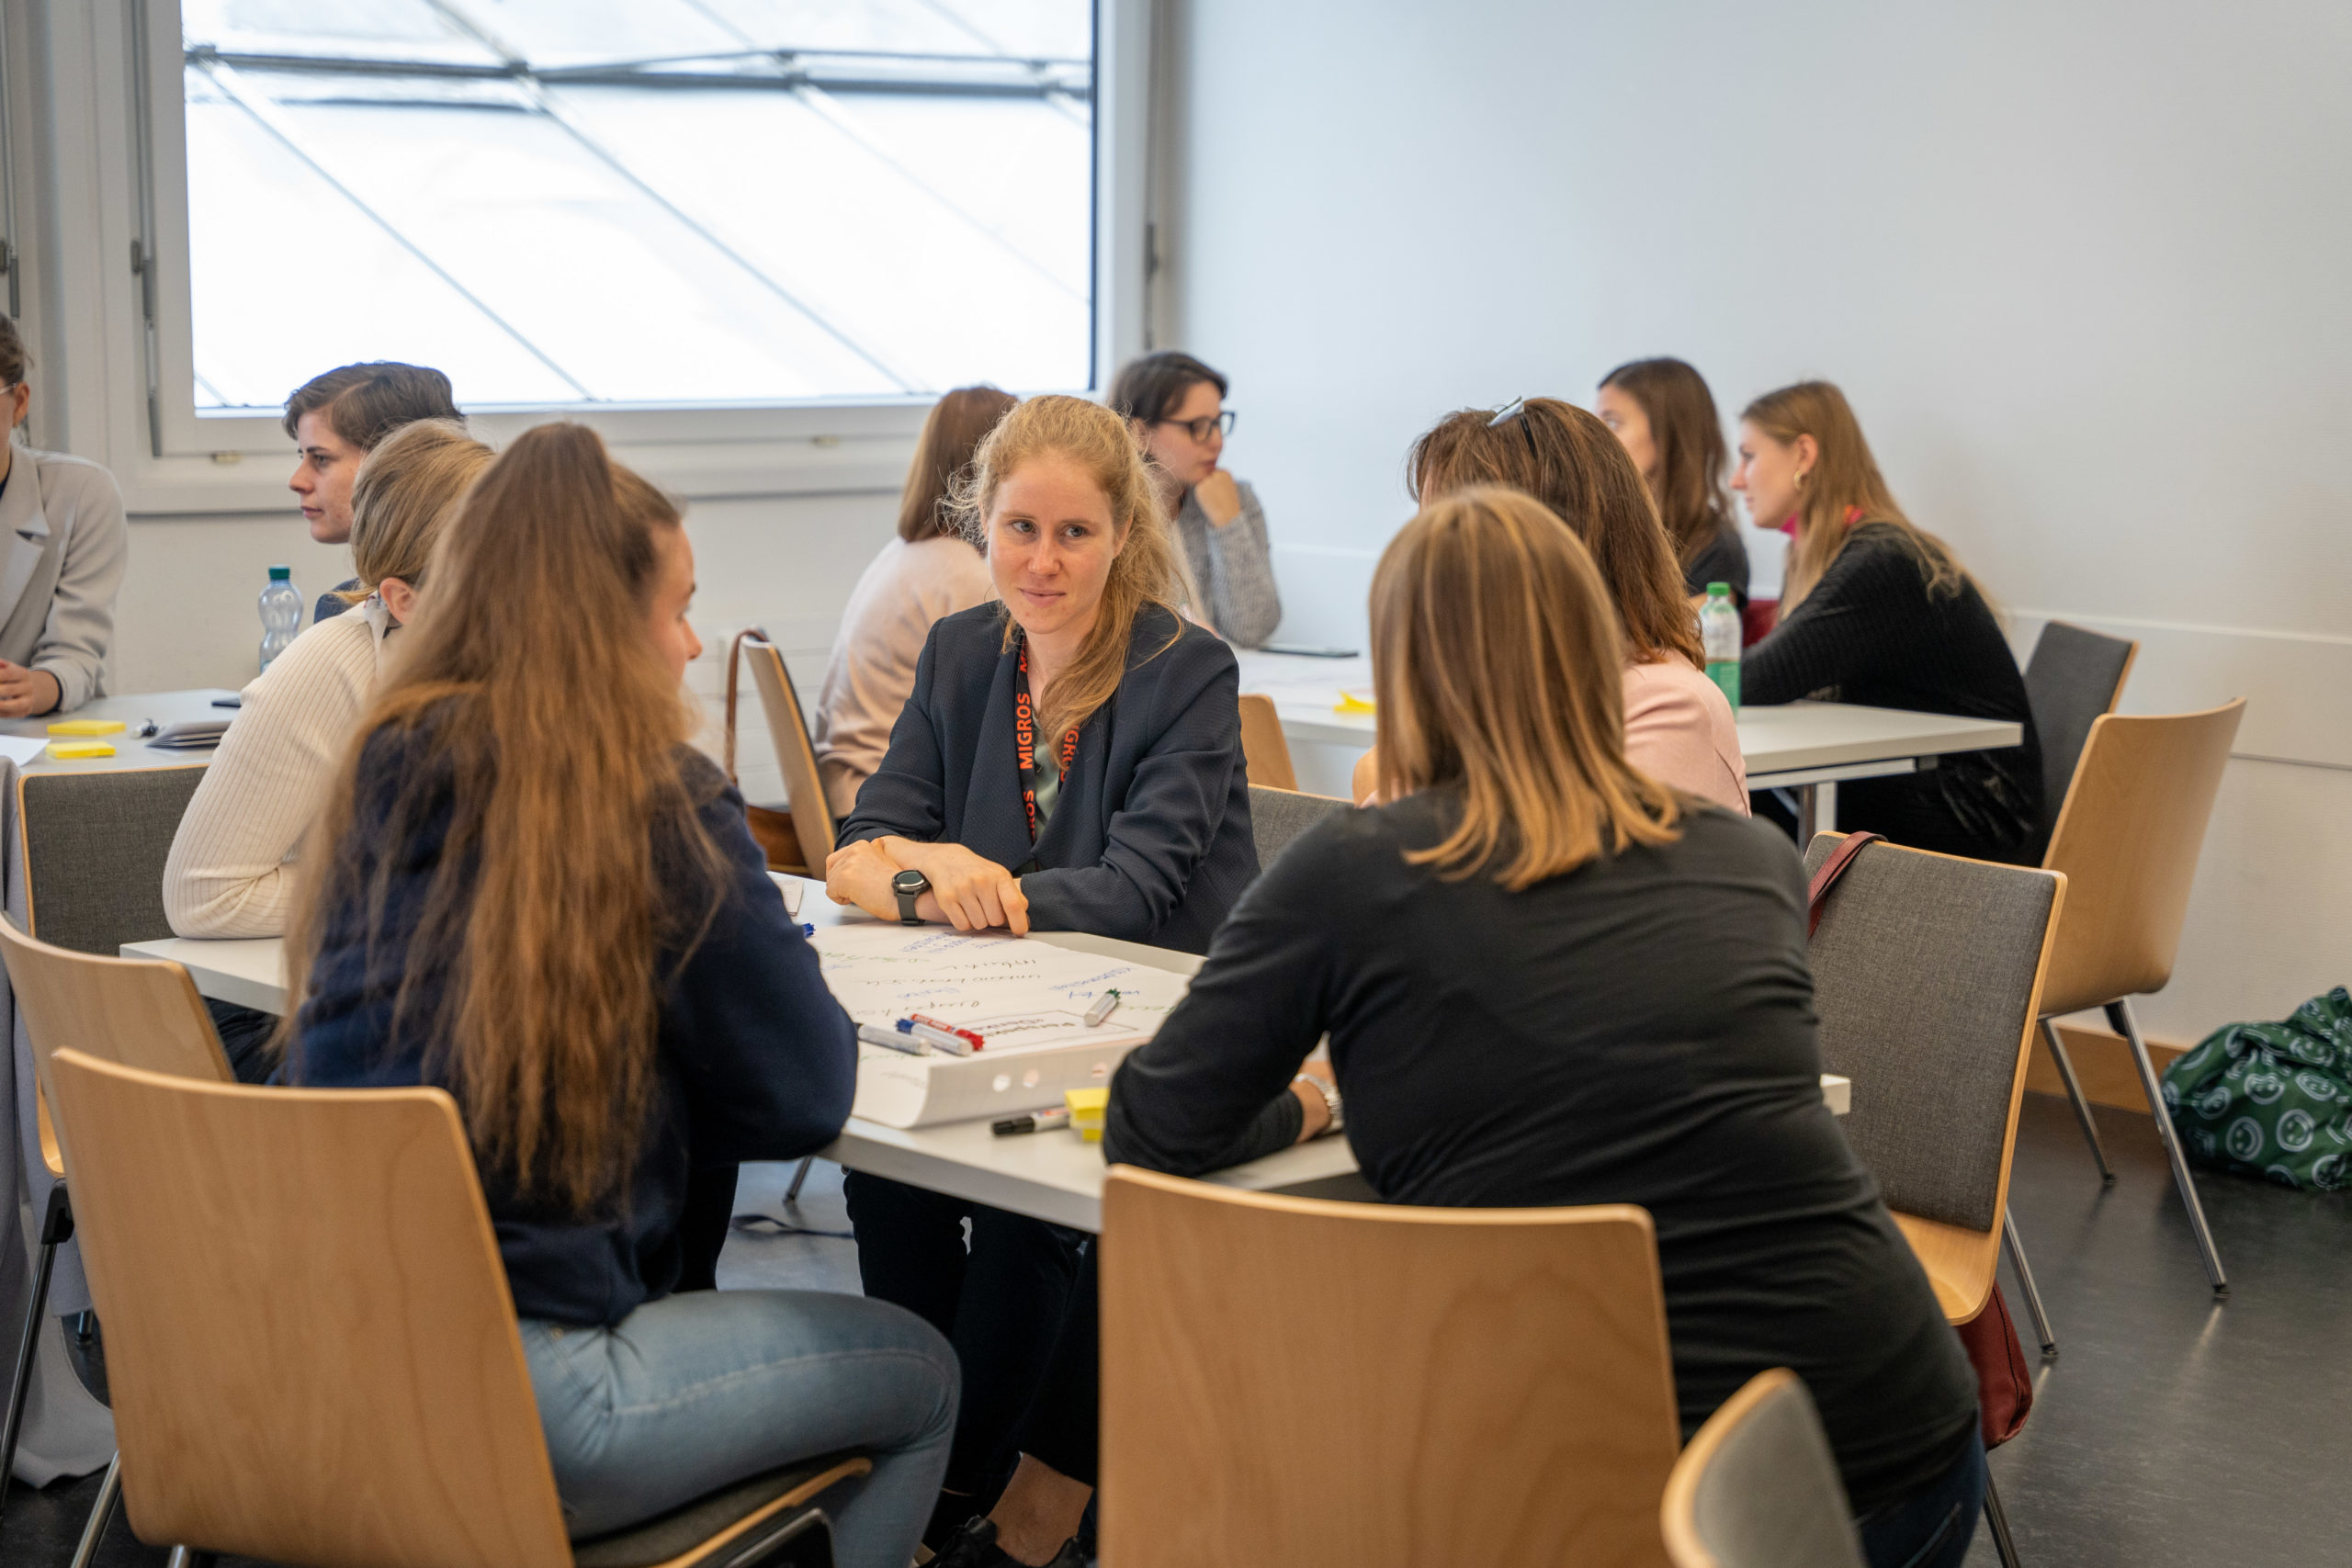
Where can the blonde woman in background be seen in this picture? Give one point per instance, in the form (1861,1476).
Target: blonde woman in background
(230,873)
(930,570)
(1878,610)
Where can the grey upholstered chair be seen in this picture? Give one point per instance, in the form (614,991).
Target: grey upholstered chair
(1928,971)
(1759,1488)
(93,846)
(1278,816)
(2074,676)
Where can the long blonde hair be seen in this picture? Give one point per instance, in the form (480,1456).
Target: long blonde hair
(536,732)
(1844,490)
(406,491)
(1498,670)
(1142,572)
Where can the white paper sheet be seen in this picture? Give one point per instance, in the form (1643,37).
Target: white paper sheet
(22,749)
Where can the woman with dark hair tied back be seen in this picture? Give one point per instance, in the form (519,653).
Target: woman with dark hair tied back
(1679,726)
(1548,979)
(1175,406)
(67,549)
(527,889)
(1663,412)
(930,570)
(1878,610)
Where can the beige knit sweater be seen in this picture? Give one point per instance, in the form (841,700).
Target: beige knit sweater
(232,868)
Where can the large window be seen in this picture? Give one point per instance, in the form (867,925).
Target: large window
(640,202)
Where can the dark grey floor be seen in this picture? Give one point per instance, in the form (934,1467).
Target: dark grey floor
(2169,1431)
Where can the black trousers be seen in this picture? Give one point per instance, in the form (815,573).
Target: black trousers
(1065,1424)
(1000,1302)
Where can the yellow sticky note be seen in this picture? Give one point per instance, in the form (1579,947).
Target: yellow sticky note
(1349,703)
(1086,1110)
(87,726)
(70,751)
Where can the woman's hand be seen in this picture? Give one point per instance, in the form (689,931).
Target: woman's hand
(1220,498)
(860,874)
(974,893)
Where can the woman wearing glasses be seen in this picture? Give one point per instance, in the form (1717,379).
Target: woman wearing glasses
(1175,405)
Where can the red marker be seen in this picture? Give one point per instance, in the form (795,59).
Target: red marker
(943,1026)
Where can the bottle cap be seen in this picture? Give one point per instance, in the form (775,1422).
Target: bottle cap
(281,573)
(1719,591)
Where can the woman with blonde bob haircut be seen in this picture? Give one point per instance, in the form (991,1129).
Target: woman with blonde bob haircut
(1548,980)
(1070,759)
(1879,612)
(527,889)
(1677,726)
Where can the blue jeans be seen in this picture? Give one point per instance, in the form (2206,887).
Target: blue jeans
(692,1393)
(1931,1528)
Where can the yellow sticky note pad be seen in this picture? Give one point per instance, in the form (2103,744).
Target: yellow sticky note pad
(70,751)
(1086,1108)
(1349,703)
(87,726)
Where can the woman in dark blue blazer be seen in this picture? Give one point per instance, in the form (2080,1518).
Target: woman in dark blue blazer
(1069,760)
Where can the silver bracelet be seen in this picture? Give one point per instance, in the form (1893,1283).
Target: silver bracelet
(1331,1094)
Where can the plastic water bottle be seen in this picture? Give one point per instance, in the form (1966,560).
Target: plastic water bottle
(281,612)
(1719,633)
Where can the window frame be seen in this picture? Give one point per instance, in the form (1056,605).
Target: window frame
(170,460)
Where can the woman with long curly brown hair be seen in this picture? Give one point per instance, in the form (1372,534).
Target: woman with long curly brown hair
(529,890)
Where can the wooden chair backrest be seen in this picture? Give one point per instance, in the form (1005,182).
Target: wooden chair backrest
(1758,1488)
(1293,1381)
(313,1354)
(1265,751)
(139,1012)
(2128,840)
(796,755)
(1928,974)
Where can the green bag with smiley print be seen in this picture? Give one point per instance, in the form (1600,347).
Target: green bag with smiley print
(2272,1100)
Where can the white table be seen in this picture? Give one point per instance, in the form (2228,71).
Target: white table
(1049,1176)
(1808,747)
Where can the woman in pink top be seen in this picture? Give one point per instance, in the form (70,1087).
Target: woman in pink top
(1679,728)
(929,571)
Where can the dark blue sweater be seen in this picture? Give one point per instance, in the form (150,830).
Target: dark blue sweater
(756,1059)
(1150,840)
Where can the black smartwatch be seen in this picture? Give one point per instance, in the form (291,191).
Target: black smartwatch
(910,886)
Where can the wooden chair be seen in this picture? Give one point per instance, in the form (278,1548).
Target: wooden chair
(1278,816)
(314,1353)
(2127,841)
(1293,1380)
(1758,1488)
(1928,972)
(2074,677)
(1265,748)
(810,832)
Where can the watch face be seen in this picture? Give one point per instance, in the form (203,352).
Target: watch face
(911,882)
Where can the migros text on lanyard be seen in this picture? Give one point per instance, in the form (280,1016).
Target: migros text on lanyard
(1024,740)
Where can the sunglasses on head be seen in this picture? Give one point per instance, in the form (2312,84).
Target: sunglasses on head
(1515,410)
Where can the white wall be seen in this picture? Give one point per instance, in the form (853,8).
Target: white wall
(2081,269)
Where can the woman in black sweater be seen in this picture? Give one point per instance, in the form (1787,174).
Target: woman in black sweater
(536,895)
(1548,980)
(1877,611)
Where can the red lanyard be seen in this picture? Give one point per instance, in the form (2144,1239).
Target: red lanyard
(1025,739)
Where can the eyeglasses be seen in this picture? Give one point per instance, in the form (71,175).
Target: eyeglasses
(1198,429)
(1515,409)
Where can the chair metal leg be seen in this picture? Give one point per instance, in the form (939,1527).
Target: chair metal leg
(2025,1280)
(2118,1015)
(1997,1519)
(792,1193)
(2075,1092)
(57,1227)
(101,1515)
